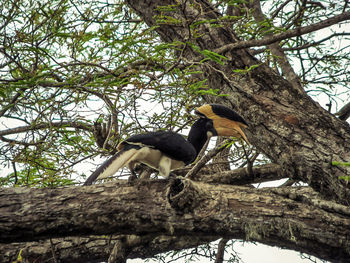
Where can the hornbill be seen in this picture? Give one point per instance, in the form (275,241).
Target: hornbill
(165,150)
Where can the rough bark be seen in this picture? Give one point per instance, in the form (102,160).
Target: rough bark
(284,123)
(239,176)
(96,248)
(289,217)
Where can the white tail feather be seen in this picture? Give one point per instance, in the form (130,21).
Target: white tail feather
(110,167)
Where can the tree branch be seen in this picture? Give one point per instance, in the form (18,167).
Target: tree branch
(277,51)
(242,176)
(194,208)
(194,170)
(344,112)
(221,250)
(285,35)
(98,248)
(40,126)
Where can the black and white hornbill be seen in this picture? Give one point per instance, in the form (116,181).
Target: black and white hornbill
(164,150)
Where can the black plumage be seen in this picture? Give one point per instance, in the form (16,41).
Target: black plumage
(170,143)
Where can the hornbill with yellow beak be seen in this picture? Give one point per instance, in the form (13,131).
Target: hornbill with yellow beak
(165,150)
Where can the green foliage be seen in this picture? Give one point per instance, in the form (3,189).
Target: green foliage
(335,163)
(345,177)
(163,18)
(68,64)
(209,55)
(34,177)
(246,70)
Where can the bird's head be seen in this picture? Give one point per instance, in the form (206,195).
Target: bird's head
(204,126)
(226,122)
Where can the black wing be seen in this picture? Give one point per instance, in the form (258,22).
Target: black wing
(169,143)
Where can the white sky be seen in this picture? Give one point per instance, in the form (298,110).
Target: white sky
(254,253)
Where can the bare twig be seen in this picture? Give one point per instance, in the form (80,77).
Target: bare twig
(15,171)
(52,246)
(204,148)
(221,250)
(205,159)
(345,5)
(289,182)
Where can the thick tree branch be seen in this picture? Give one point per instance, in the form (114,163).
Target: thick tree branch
(285,35)
(239,176)
(194,208)
(242,176)
(98,248)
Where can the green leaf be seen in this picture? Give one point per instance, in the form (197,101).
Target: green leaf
(246,70)
(209,54)
(335,163)
(344,177)
(214,56)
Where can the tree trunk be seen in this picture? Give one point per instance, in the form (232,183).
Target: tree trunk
(294,218)
(284,123)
